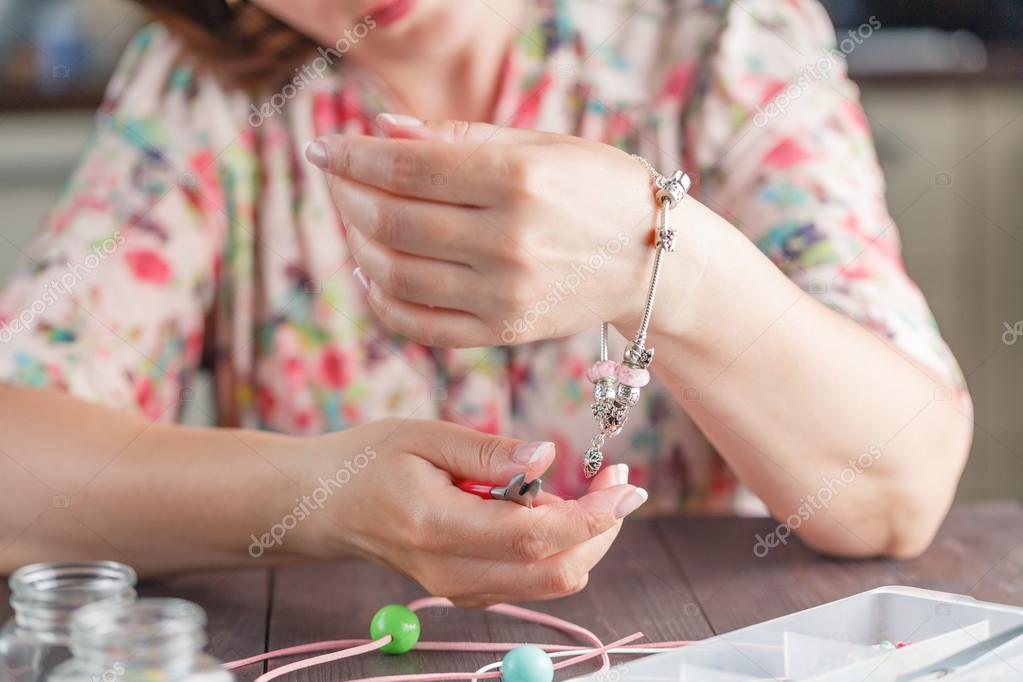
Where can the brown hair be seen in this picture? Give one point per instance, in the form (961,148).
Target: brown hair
(238,41)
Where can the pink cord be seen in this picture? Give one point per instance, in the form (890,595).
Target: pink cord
(353,647)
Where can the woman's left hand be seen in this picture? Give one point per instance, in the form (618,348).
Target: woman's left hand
(473,235)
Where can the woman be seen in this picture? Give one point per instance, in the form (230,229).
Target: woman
(794,355)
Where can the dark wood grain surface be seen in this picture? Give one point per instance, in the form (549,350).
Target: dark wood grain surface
(672,578)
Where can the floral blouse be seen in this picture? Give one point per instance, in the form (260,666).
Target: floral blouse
(193,229)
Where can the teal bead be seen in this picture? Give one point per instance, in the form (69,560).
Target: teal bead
(398,621)
(527,663)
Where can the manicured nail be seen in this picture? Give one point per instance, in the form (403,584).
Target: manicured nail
(528,453)
(399,120)
(619,474)
(361,278)
(630,503)
(316,153)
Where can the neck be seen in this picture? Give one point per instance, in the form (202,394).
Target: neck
(459,84)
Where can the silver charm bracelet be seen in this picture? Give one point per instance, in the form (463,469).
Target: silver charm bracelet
(616,385)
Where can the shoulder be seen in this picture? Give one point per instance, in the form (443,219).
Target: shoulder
(702,39)
(157,89)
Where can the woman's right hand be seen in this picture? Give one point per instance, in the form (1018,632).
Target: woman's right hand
(394,500)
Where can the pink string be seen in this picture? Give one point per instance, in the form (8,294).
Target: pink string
(495,674)
(347,648)
(324,658)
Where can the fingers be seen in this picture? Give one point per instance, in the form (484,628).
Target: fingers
(450,172)
(409,127)
(471,455)
(422,228)
(616,474)
(436,327)
(502,531)
(556,576)
(424,281)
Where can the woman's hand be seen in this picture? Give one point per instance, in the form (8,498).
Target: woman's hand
(471,235)
(393,499)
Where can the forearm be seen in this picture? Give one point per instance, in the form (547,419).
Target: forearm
(792,394)
(81,481)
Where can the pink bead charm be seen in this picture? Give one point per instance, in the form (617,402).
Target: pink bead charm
(601,369)
(636,378)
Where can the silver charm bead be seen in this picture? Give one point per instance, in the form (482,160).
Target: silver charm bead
(592,461)
(666,240)
(611,417)
(674,188)
(627,396)
(605,389)
(638,357)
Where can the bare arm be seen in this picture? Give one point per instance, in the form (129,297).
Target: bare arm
(792,394)
(82,481)
(167,498)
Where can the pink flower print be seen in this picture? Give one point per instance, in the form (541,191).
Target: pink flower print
(788,152)
(148,266)
(336,368)
(677,85)
(265,403)
(856,116)
(770,90)
(147,399)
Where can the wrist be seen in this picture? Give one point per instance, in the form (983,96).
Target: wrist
(325,468)
(681,277)
(273,491)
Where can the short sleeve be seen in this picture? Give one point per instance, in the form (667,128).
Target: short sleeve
(109,301)
(783,150)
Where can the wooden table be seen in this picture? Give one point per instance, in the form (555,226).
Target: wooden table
(673,578)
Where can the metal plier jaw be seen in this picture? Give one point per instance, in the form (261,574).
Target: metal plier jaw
(517,490)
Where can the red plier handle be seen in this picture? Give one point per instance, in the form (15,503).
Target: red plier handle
(517,490)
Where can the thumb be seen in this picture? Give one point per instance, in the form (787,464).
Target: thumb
(410,127)
(467,454)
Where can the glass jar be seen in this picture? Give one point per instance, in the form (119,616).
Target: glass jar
(150,640)
(43,596)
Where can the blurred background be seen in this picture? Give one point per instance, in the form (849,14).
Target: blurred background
(941,83)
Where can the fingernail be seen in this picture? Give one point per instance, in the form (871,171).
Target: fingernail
(528,453)
(630,503)
(316,153)
(361,278)
(620,474)
(399,120)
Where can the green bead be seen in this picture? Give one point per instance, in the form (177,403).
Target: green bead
(527,663)
(398,621)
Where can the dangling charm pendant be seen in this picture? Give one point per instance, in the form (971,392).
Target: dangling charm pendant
(616,386)
(592,461)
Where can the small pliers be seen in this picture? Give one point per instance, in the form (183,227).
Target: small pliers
(517,490)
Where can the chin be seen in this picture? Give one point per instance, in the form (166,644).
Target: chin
(436,29)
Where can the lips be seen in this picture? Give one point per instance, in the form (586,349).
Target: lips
(389,12)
